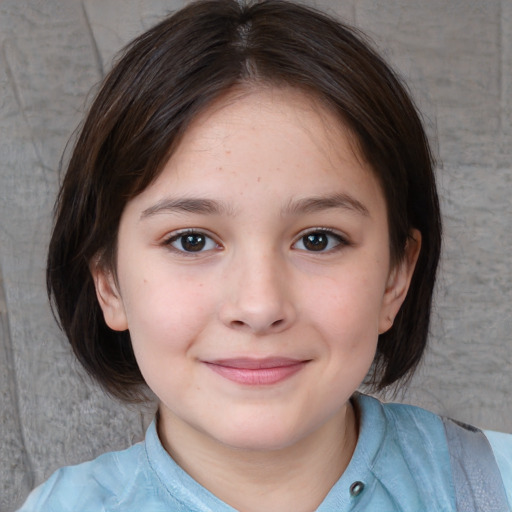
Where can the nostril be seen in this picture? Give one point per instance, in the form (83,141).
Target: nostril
(237,324)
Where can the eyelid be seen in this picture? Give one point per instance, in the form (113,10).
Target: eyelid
(171,237)
(343,240)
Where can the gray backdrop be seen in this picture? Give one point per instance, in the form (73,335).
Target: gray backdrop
(457,57)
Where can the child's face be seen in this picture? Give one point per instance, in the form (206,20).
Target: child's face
(254,273)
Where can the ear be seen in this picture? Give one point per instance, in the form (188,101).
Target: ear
(109,297)
(398,282)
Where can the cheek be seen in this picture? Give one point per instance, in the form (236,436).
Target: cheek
(165,312)
(347,306)
(166,323)
(345,311)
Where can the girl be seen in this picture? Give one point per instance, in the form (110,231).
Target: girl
(249,228)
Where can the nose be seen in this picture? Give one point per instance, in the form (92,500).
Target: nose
(258,296)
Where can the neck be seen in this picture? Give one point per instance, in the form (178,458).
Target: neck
(297,477)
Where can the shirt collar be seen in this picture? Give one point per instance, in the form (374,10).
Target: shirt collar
(401,460)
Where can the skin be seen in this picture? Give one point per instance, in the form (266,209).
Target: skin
(256,174)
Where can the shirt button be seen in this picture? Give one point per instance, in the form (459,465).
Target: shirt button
(356,489)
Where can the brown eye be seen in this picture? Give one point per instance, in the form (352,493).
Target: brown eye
(315,241)
(191,241)
(321,240)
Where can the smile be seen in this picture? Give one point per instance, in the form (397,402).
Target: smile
(257,372)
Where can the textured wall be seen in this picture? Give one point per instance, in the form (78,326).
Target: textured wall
(457,57)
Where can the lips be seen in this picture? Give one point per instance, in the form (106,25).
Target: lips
(257,372)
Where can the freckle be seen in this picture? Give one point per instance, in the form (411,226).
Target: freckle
(228,152)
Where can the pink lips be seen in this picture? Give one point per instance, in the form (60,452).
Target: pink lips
(256,372)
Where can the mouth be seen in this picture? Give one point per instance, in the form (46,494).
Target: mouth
(257,372)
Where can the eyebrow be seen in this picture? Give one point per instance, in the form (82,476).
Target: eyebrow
(320,203)
(188,205)
(294,207)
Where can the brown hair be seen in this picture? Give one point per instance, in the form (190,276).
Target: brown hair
(170,74)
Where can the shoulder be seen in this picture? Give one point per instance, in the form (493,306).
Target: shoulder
(432,446)
(94,485)
(143,477)
(501,445)
(412,441)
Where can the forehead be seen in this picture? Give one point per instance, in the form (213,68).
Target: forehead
(252,116)
(285,141)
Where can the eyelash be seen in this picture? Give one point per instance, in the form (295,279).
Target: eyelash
(176,236)
(340,241)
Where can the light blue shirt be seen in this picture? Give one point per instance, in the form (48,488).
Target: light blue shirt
(401,458)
